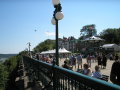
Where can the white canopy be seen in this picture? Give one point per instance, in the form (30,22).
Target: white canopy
(114,46)
(93,38)
(63,50)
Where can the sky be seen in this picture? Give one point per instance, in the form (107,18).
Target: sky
(23,21)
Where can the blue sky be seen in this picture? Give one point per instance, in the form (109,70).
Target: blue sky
(19,19)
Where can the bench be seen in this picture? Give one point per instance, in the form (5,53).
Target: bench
(105,77)
(80,70)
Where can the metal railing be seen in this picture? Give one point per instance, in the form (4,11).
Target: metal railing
(54,77)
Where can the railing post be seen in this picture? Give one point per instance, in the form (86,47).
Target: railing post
(54,76)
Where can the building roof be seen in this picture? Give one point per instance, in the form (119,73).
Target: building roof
(109,45)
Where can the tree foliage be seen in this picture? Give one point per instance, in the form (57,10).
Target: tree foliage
(11,63)
(87,31)
(44,46)
(3,76)
(6,70)
(111,35)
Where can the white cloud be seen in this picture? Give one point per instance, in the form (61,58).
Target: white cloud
(50,33)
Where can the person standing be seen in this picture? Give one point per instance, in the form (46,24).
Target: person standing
(104,61)
(89,60)
(74,61)
(116,57)
(99,59)
(79,60)
(115,73)
(37,56)
(111,57)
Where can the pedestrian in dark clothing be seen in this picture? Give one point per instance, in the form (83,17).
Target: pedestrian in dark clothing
(99,60)
(115,73)
(65,65)
(116,57)
(37,56)
(111,57)
(104,61)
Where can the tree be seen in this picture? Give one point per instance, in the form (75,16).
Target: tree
(88,31)
(111,35)
(3,76)
(44,46)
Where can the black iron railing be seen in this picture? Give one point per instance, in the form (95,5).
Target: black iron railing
(54,77)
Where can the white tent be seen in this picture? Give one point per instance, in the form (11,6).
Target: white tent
(63,50)
(93,38)
(115,47)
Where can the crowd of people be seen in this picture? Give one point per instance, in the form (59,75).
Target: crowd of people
(101,64)
(44,58)
(77,60)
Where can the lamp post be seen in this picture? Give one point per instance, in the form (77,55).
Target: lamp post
(29,48)
(57,15)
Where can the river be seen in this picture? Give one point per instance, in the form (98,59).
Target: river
(3,59)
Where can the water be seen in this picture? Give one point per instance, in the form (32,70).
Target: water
(3,59)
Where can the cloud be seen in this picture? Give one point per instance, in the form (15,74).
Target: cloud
(50,33)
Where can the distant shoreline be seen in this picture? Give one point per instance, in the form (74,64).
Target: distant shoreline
(3,59)
(7,55)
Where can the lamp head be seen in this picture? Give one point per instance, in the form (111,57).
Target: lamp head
(59,15)
(55,2)
(53,21)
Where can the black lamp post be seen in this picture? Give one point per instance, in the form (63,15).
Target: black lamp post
(57,15)
(29,48)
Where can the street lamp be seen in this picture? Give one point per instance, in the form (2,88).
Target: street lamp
(57,15)
(29,48)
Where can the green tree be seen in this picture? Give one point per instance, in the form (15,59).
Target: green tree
(44,46)
(3,76)
(87,31)
(111,35)
(8,71)
(11,63)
